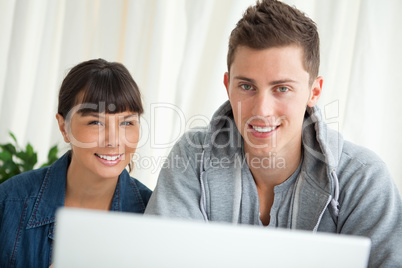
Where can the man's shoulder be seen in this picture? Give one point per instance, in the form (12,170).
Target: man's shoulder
(192,140)
(360,167)
(359,155)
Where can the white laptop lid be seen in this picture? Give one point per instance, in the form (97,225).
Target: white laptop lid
(87,238)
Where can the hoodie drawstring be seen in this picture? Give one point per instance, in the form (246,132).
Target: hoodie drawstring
(203,199)
(334,201)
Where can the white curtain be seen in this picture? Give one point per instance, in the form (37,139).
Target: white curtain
(176,51)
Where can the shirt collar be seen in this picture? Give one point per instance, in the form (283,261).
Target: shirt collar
(51,194)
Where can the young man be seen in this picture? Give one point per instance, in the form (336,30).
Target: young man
(267,157)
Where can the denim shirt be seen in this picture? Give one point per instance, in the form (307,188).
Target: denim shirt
(28,204)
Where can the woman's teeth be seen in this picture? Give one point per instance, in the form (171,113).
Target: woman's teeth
(108,157)
(264,129)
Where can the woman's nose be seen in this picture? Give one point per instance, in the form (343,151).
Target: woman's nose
(111,133)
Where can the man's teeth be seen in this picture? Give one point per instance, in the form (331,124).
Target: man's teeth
(264,129)
(109,158)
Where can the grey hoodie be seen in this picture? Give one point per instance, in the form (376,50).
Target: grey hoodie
(338,188)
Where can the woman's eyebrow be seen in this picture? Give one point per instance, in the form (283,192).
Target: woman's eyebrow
(92,114)
(130,115)
(101,115)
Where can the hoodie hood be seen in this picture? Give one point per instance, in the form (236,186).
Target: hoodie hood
(319,141)
(223,139)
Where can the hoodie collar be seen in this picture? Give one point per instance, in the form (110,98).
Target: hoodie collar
(317,184)
(322,146)
(223,134)
(319,141)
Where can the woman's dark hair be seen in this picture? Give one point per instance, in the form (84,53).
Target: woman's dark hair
(101,86)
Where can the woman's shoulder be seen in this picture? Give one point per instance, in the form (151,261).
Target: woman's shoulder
(138,185)
(142,187)
(26,184)
(132,187)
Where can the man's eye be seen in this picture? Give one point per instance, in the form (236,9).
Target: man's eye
(246,87)
(283,89)
(127,123)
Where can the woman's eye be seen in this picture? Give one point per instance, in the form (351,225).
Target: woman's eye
(246,87)
(283,89)
(95,123)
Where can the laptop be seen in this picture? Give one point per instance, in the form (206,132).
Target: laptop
(89,238)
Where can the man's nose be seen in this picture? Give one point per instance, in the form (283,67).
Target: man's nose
(263,105)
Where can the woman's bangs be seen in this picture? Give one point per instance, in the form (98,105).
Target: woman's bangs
(109,98)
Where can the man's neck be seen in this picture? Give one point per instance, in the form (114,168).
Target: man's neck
(269,171)
(274,168)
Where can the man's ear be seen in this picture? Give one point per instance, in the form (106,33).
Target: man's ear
(316,90)
(62,127)
(226,82)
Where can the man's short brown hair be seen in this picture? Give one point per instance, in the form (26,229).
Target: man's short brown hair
(271,23)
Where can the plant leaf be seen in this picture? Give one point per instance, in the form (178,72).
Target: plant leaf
(52,155)
(29,150)
(13,136)
(5,155)
(15,160)
(9,148)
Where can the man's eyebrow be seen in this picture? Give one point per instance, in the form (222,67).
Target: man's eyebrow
(272,83)
(239,77)
(282,81)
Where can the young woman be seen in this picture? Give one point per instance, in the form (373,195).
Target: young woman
(98,114)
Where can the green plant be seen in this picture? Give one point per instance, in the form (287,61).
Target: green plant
(15,160)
